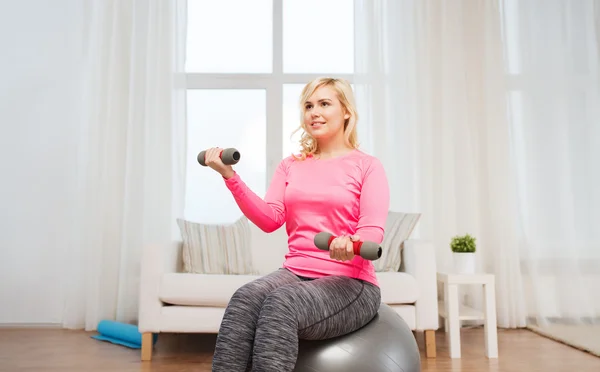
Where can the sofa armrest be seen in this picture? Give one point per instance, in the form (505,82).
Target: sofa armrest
(419,261)
(157,259)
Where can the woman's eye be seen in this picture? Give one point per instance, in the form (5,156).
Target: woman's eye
(325,103)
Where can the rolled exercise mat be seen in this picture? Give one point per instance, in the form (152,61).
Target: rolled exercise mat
(121,334)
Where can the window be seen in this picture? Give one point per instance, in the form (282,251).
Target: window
(291,118)
(224,118)
(231,36)
(327,48)
(246,64)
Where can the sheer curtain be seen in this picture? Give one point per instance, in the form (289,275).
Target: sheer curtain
(552,50)
(131,154)
(431,87)
(487,118)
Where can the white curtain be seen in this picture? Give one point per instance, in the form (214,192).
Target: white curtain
(552,56)
(131,154)
(430,86)
(510,157)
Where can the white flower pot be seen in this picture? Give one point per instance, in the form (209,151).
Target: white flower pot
(464,263)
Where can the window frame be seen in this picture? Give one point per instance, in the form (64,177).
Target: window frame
(272,83)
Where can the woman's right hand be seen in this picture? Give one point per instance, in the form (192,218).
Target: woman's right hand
(212,159)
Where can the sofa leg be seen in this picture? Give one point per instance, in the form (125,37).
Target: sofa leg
(430,343)
(146,346)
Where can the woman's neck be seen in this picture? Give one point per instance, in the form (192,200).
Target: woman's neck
(333,148)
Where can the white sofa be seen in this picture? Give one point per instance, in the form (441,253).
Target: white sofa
(175,302)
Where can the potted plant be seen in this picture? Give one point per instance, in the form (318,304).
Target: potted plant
(463,253)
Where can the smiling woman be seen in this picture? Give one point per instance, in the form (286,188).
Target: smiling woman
(332,187)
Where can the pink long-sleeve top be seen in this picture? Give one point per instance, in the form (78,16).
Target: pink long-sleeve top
(343,196)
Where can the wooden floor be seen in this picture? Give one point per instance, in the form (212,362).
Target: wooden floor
(65,351)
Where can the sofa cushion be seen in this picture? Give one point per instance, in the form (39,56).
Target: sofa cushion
(398,288)
(216,290)
(200,289)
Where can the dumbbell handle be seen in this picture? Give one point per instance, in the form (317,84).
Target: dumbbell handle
(228,156)
(367,250)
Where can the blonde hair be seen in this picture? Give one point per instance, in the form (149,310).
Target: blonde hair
(308,145)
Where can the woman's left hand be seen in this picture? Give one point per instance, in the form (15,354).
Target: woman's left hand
(342,247)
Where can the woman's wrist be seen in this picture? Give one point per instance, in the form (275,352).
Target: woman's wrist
(228,174)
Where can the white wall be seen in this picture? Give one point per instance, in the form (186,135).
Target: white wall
(41,47)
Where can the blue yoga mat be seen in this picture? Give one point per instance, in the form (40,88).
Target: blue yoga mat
(121,334)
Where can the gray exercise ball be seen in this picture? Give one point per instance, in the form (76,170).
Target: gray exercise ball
(386,343)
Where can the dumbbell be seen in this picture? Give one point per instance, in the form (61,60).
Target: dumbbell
(228,156)
(367,250)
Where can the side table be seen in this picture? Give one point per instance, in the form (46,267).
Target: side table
(453,312)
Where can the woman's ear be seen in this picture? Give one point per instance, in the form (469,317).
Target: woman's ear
(346,113)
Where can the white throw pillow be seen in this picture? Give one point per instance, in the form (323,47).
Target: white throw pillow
(216,249)
(398,228)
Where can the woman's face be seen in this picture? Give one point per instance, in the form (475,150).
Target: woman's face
(324,115)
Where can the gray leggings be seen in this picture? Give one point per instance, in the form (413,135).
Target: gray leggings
(265,318)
